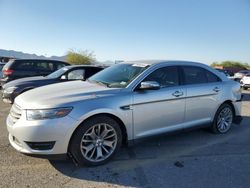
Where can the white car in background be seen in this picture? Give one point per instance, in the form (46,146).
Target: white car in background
(239,75)
(245,82)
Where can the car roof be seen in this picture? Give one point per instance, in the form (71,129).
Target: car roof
(153,62)
(178,63)
(40,60)
(77,66)
(244,71)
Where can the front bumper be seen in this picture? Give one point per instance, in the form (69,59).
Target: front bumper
(246,85)
(237,109)
(24,132)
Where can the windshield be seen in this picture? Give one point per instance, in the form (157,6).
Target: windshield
(58,73)
(119,75)
(244,71)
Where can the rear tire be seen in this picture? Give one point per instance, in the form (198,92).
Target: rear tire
(223,119)
(96,141)
(245,88)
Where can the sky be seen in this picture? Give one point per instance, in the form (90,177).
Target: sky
(197,30)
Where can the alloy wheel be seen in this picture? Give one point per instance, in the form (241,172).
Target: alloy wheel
(98,142)
(224,119)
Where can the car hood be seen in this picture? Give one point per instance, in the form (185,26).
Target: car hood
(246,78)
(24,81)
(62,94)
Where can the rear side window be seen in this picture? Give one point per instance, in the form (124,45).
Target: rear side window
(24,65)
(166,77)
(44,66)
(194,75)
(198,75)
(211,77)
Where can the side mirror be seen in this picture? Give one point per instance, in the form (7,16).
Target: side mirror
(149,85)
(63,77)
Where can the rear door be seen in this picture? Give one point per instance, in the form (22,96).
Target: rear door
(204,90)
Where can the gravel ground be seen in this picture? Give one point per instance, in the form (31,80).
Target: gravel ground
(189,159)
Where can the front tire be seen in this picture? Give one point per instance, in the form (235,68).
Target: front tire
(96,141)
(223,119)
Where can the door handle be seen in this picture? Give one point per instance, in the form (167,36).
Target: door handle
(216,89)
(177,93)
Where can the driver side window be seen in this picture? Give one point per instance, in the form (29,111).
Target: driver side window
(76,74)
(166,76)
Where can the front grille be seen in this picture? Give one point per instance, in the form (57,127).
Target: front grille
(41,145)
(15,113)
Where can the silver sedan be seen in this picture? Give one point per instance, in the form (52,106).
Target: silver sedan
(128,101)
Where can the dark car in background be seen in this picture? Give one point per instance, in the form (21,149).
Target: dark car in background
(21,68)
(68,73)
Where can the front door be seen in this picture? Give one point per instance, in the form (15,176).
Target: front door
(162,110)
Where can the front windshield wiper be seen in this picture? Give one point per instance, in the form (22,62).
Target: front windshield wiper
(99,82)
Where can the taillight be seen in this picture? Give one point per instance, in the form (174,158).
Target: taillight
(7,72)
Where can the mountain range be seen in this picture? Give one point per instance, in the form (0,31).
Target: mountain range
(22,55)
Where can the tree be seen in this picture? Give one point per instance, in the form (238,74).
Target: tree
(231,64)
(80,57)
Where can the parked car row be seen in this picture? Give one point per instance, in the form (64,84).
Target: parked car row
(245,81)
(68,73)
(21,68)
(243,76)
(239,75)
(90,120)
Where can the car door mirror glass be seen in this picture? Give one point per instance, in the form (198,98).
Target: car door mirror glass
(149,85)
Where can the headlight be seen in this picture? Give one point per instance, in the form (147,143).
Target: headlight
(10,89)
(47,113)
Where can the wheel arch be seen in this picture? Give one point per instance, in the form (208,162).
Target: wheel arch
(27,89)
(117,119)
(229,102)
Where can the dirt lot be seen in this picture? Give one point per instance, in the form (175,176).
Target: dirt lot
(190,159)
